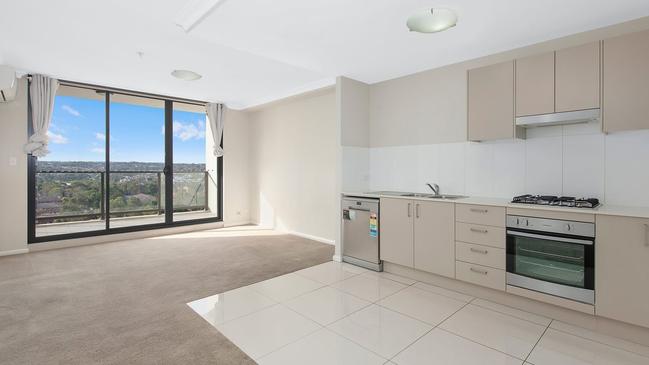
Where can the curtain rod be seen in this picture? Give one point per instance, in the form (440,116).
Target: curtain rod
(127,92)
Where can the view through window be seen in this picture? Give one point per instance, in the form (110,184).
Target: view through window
(77,193)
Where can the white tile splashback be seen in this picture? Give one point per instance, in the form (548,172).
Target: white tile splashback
(574,160)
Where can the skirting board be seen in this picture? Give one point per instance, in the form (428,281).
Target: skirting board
(237,223)
(311,237)
(602,325)
(14,252)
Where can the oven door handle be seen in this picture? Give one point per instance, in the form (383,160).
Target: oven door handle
(551,238)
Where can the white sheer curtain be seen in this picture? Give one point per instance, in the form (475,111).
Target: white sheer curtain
(42,91)
(215,116)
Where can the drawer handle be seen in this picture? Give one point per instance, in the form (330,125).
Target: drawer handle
(477,250)
(483,272)
(476,230)
(417,210)
(409,206)
(476,210)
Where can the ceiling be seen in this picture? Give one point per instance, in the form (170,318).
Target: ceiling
(254,51)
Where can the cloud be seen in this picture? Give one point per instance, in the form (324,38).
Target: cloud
(71,110)
(188,131)
(100,136)
(56,138)
(97,150)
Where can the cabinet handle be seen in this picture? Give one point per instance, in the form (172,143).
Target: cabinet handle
(417,210)
(484,252)
(409,214)
(646,235)
(476,210)
(476,230)
(483,272)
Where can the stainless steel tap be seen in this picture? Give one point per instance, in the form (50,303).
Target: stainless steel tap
(434,188)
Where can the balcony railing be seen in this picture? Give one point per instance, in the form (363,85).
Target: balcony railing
(69,196)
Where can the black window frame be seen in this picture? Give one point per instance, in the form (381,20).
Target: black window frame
(169,223)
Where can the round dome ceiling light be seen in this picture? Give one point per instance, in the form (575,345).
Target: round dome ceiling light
(185,75)
(432,20)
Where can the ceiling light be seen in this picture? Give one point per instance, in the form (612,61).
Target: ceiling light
(185,75)
(432,20)
(195,12)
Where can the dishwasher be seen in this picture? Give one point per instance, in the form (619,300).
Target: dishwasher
(360,243)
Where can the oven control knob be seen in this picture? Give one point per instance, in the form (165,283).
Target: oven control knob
(568,227)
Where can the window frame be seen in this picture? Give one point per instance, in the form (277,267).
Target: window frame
(169,223)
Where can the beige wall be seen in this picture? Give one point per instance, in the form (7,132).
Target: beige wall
(236,168)
(430,107)
(13,179)
(294,165)
(353,111)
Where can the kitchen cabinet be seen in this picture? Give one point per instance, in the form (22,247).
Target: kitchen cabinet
(625,83)
(622,269)
(435,237)
(397,231)
(577,78)
(419,234)
(491,102)
(535,85)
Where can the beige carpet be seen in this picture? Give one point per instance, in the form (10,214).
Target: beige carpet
(124,302)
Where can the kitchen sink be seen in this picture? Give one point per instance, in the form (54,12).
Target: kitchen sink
(433,196)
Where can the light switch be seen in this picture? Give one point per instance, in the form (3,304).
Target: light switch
(12,161)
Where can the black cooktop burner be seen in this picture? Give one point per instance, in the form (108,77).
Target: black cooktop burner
(563,201)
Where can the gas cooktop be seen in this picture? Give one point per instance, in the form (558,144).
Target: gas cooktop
(562,201)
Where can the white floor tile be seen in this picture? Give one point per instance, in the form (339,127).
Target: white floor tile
(601,338)
(260,333)
(232,304)
(445,292)
(387,275)
(422,305)
(381,330)
(330,272)
(286,287)
(441,347)
(326,305)
(368,287)
(322,348)
(543,321)
(499,331)
(557,347)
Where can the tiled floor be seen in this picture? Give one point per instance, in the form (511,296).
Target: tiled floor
(340,314)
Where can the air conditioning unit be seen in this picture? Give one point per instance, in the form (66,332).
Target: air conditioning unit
(8,84)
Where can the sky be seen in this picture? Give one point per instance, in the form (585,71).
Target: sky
(77,132)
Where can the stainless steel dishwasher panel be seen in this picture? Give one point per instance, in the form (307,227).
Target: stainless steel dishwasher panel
(361,232)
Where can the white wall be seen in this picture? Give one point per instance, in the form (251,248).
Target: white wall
(571,160)
(13,179)
(294,165)
(236,168)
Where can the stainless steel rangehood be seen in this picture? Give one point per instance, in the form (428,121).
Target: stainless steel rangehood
(579,116)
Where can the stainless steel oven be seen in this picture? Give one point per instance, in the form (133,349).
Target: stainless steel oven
(552,256)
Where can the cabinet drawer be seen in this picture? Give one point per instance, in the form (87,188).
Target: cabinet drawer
(483,255)
(480,275)
(482,235)
(480,214)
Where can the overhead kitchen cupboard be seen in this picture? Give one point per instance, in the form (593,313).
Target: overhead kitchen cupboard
(625,96)
(622,269)
(561,81)
(419,234)
(490,101)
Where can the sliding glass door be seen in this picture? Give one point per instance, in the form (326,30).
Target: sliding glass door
(122,162)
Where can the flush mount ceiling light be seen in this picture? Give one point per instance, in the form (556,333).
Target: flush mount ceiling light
(432,20)
(195,12)
(185,75)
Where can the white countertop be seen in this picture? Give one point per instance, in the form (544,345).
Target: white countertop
(625,211)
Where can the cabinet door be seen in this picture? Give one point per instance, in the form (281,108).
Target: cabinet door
(397,231)
(435,237)
(622,269)
(491,102)
(577,78)
(535,85)
(625,82)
